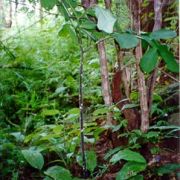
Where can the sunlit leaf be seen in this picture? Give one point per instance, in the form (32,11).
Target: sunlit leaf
(34,158)
(105,18)
(49,112)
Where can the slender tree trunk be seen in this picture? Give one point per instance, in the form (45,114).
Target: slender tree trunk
(158,5)
(88,3)
(2,13)
(16,5)
(108,3)
(105,74)
(105,79)
(141,79)
(157,15)
(41,14)
(103,65)
(9,19)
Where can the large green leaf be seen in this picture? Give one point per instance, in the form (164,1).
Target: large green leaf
(126,40)
(163,34)
(149,60)
(167,169)
(127,155)
(48,4)
(105,18)
(169,59)
(58,173)
(34,158)
(91,160)
(129,170)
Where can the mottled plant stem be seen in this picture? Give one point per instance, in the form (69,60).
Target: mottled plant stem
(81,106)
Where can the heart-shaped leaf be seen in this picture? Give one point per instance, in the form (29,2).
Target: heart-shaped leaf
(105,18)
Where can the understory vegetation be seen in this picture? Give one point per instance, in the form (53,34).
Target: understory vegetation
(56,122)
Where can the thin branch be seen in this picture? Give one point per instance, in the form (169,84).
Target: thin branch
(170,76)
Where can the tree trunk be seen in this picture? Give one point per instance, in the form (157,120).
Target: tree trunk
(157,25)
(121,86)
(119,98)
(136,10)
(9,19)
(88,3)
(2,14)
(103,66)
(105,79)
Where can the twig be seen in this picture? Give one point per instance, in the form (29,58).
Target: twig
(170,76)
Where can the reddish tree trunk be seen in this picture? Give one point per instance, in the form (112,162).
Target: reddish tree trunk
(131,115)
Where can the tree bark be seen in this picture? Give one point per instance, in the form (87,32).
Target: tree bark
(108,4)
(119,99)
(9,19)
(105,80)
(121,86)
(103,66)
(88,3)
(141,79)
(2,14)
(158,5)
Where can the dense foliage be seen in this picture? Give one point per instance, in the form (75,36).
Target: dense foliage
(39,97)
